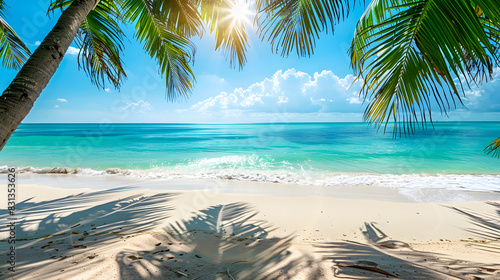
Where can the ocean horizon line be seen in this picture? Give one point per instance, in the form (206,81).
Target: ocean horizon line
(246,123)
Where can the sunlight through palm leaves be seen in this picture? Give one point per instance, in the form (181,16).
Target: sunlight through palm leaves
(229,28)
(162,27)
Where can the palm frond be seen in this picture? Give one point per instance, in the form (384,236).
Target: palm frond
(180,16)
(230,33)
(100,40)
(493,149)
(13,51)
(408,53)
(296,24)
(172,52)
(3,8)
(59,4)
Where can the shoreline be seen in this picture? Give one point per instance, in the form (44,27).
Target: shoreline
(235,186)
(90,171)
(203,227)
(416,187)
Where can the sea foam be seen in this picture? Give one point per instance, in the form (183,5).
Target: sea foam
(468,182)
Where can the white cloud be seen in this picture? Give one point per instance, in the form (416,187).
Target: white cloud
(289,91)
(72,51)
(322,93)
(179,111)
(57,106)
(37,43)
(282,99)
(354,100)
(221,101)
(212,78)
(251,100)
(107,90)
(62,100)
(140,107)
(484,97)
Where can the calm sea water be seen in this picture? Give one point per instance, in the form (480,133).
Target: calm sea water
(306,153)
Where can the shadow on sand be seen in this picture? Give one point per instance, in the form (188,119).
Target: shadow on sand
(97,236)
(484,226)
(74,228)
(355,260)
(213,240)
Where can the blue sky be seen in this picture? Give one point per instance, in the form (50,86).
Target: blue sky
(270,88)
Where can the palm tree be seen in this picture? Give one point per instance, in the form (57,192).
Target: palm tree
(410,55)
(162,26)
(13,52)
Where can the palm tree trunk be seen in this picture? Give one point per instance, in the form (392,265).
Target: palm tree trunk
(18,99)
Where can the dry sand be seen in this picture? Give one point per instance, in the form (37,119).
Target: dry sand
(188,229)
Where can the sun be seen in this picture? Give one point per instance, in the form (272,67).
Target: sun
(240,11)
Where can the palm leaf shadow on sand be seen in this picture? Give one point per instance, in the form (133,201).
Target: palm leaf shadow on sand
(63,203)
(204,246)
(396,258)
(58,230)
(485,226)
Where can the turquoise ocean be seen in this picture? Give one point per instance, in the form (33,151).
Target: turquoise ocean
(449,155)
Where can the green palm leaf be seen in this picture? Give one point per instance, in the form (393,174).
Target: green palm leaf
(173,52)
(163,27)
(230,33)
(493,148)
(408,53)
(179,16)
(13,52)
(100,40)
(295,24)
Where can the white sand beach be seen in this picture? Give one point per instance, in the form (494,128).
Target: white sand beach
(106,227)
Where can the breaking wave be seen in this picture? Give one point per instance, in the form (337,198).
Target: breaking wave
(254,168)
